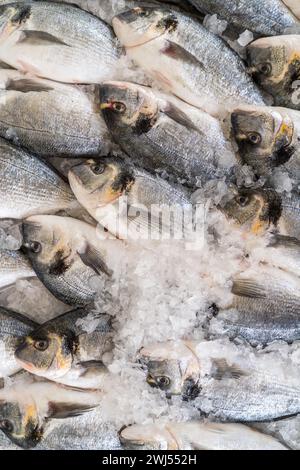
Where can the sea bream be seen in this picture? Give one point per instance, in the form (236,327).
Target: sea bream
(14,266)
(159,132)
(66,351)
(228,382)
(56,41)
(185,58)
(50,119)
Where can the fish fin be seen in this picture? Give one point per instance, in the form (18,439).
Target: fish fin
(90,366)
(26,85)
(248,288)
(173,50)
(179,116)
(283,240)
(4,65)
(93,258)
(61,410)
(222,370)
(38,38)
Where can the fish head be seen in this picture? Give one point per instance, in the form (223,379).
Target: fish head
(264,136)
(171,368)
(258,208)
(128,106)
(267,61)
(47,352)
(102,182)
(21,424)
(47,245)
(147,437)
(12,17)
(143,24)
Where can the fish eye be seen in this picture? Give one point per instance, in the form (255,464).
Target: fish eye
(254,138)
(265,69)
(98,168)
(41,344)
(35,247)
(242,200)
(163,381)
(119,107)
(6,425)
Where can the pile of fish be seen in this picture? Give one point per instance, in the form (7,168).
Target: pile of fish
(119,122)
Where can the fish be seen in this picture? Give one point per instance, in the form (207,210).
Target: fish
(13,326)
(196,435)
(14,266)
(186,59)
(30,186)
(50,119)
(56,41)
(223,380)
(274,63)
(126,200)
(268,137)
(70,257)
(263,18)
(27,405)
(65,350)
(156,132)
(294,6)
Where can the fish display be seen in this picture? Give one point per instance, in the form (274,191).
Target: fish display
(62,350)
(196,435)
(67,256)
(274,63)
(185,58)
(49,118)
(225,382)
(159,133)
(56,41)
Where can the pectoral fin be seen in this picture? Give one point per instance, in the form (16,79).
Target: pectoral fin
(248,288)
(39,38)
(222,370)
(173,112)
(26,85)
(93,258)
(173,50)
(61,410)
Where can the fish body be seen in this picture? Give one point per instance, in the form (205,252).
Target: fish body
(70,257)
(64,350)
(159,133)
(56,41)
(49,118)
(264,18)
(124,199)
(294,6)
(13,326)
(196,435)
(185,58)
(29,186)
(275,65)
(225,381)
(27,404)
(13,266)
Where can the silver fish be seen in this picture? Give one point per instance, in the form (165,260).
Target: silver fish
(196,435)
(27,404)
(64,350)
(56,41)
(13,266)
(13,326)
(294,6)
(228,382)
(158,132)
(70,257)
(185,58)
(49,118)
(29,186)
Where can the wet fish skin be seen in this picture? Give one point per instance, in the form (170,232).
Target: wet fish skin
(196,435)
(268,137)
(264,18)
(27,405)
(29,186)
(57,41)
(13,266)
(67,256)
(275,65)
(121,196)
(233,384)
(63,350)
(190,62)
(294,6)
(49,118)
(158,132)
(13,326)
